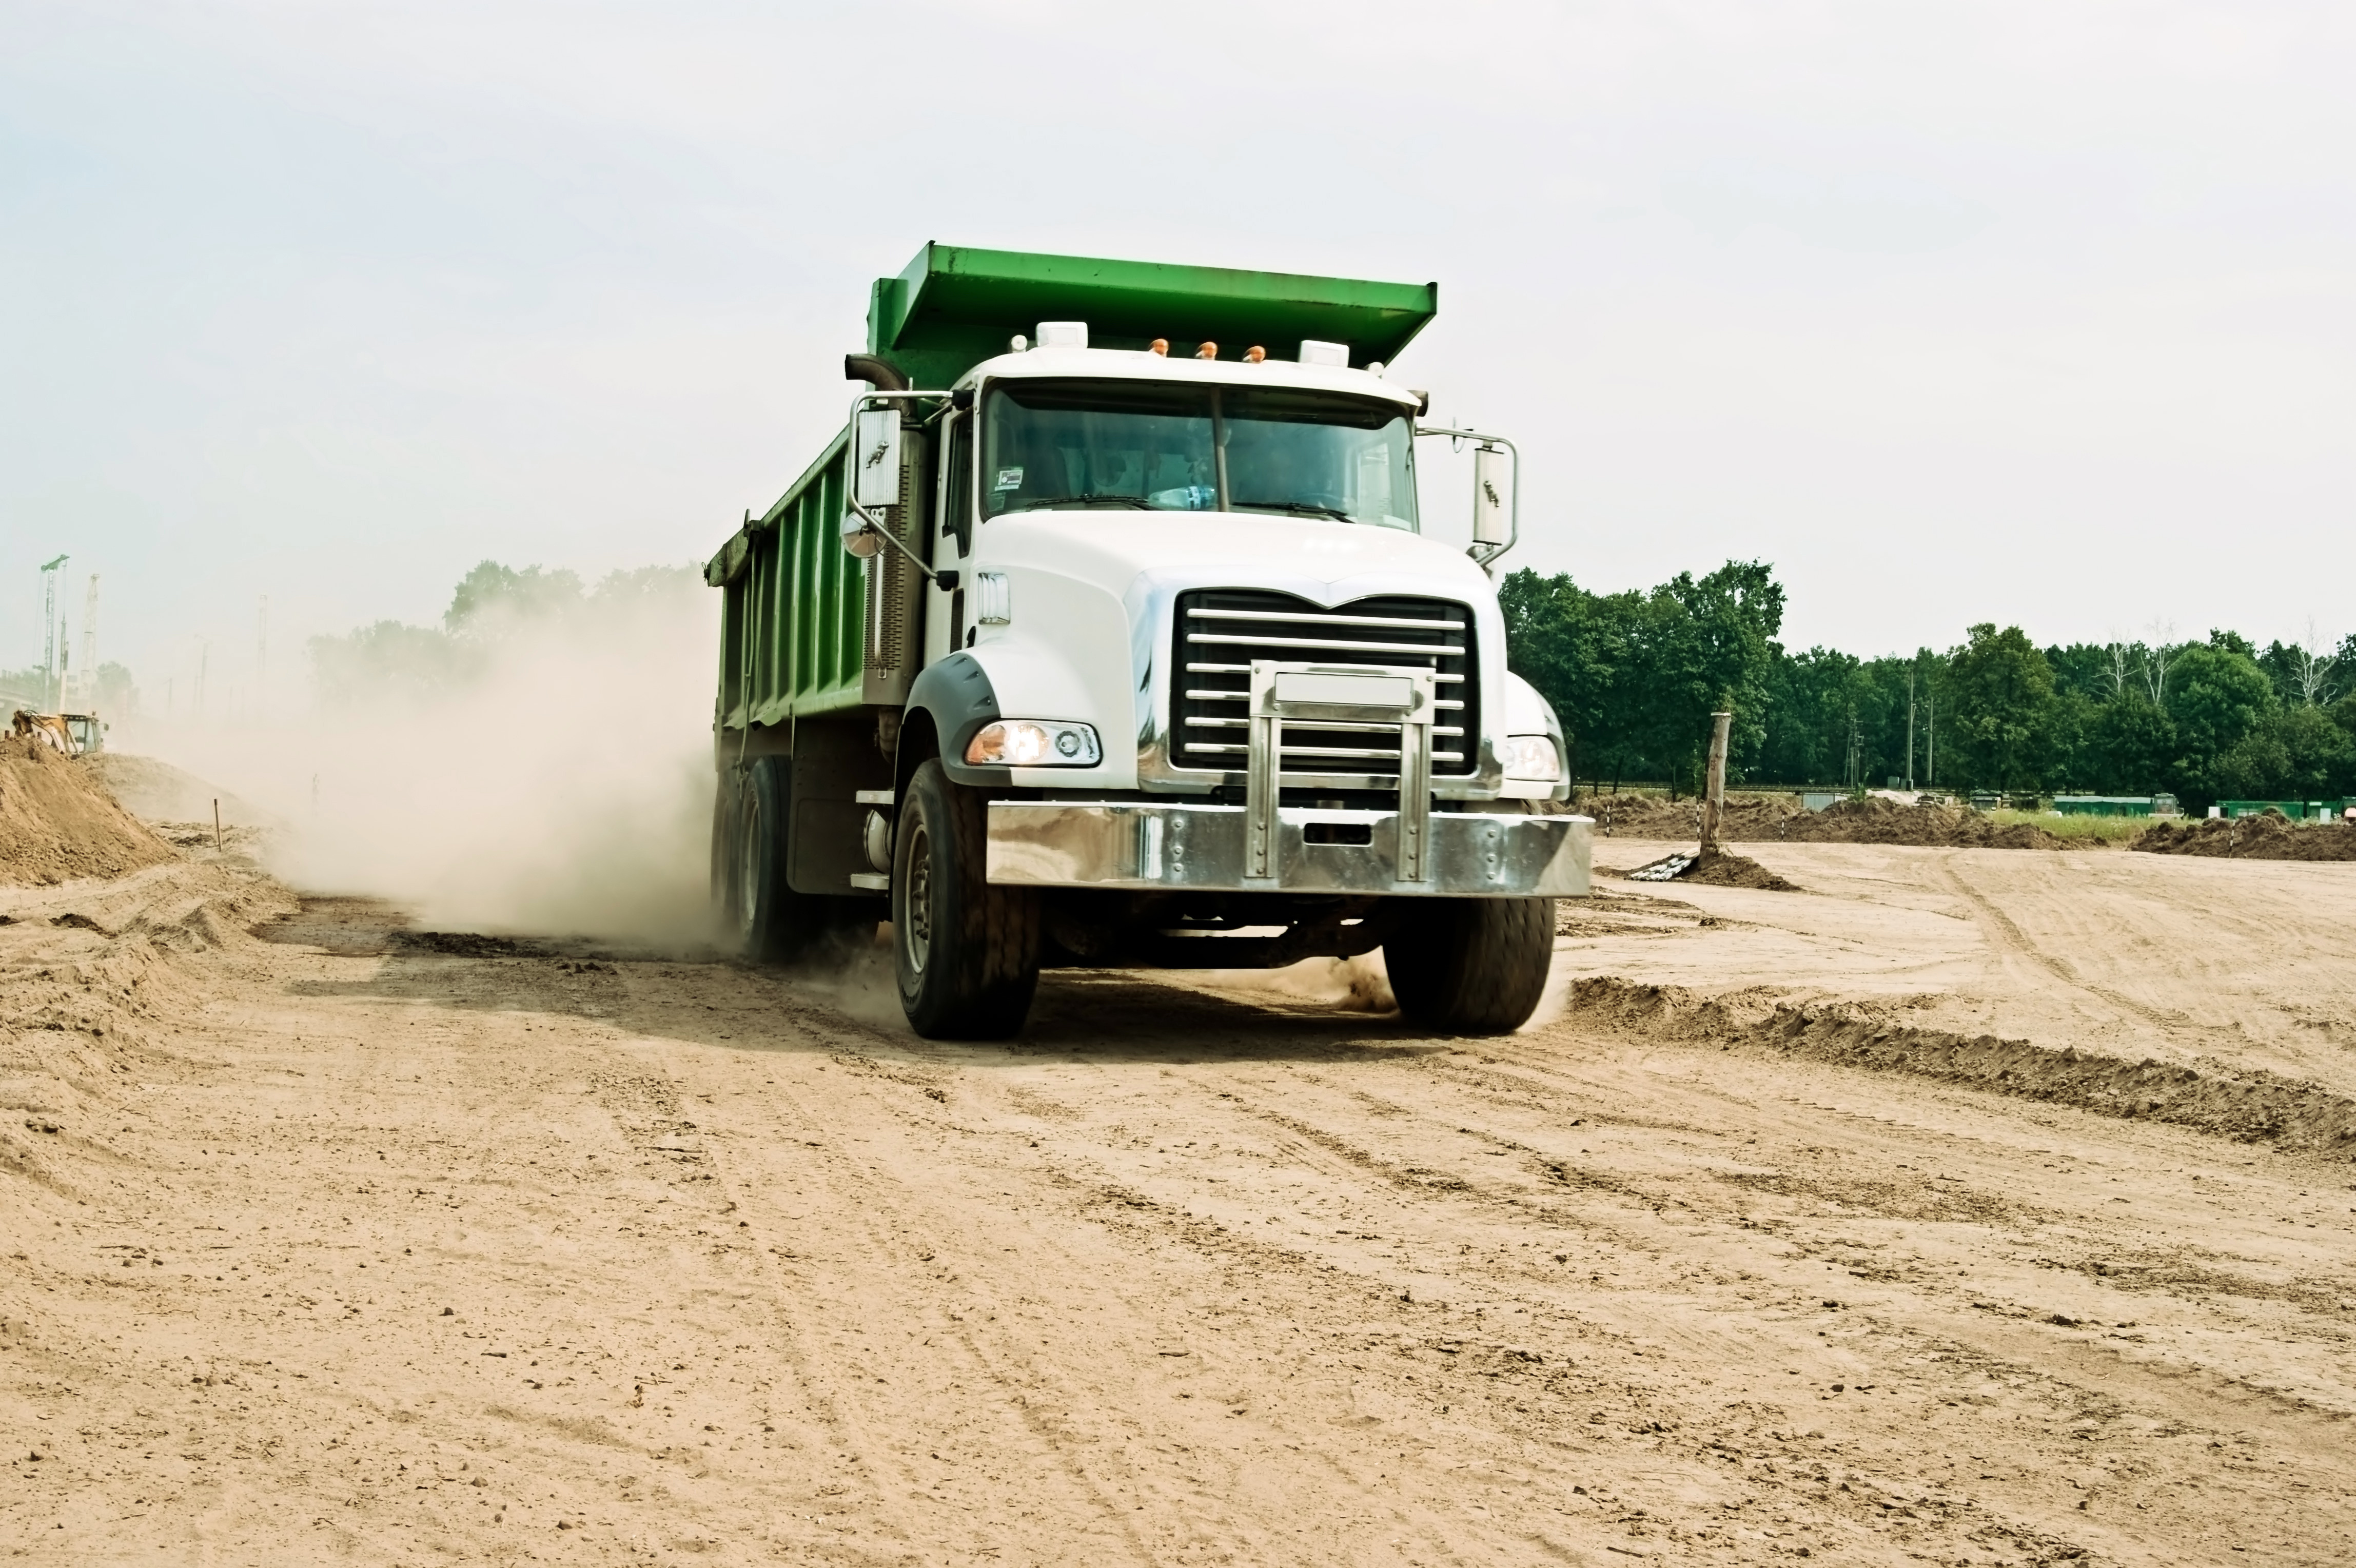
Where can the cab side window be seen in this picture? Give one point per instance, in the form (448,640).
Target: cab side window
(956,512)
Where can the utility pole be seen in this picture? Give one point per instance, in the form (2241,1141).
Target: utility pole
(1931,745)
(1909,729)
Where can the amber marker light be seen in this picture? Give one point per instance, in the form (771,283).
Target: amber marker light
(1207,351)
(1158,346)
(1255,354)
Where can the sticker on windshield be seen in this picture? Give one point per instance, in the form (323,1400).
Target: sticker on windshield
(1009,479)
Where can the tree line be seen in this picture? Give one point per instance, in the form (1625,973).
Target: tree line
(1636,675)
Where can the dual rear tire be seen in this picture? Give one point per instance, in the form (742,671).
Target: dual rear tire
(765,919)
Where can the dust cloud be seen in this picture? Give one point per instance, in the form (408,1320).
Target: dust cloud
(542,763)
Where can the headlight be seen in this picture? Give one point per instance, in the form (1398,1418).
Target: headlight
(1034,743)
(1533,756)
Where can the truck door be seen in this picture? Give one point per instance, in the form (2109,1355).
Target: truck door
(945,623)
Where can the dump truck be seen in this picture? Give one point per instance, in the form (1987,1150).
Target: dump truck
(1104,634)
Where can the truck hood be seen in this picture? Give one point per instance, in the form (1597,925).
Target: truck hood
(1093,595)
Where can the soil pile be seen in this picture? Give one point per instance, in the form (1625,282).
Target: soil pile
(158,792)
(2248,1105)
(1781,819)
(1720,869)
(2268,836)
(1748,818)
(1875,821)
(58,824)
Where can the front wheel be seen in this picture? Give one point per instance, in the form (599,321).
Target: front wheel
(1470,966)
(966,954)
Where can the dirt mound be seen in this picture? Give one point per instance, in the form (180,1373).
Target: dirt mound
(59,823)
(2252,1106)
(1876,820)
(158,792)
(1720,869)
(1748,818)
(1781,819)
(2269,836)
(1716,869)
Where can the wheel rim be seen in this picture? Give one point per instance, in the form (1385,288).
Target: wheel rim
(917,940)
(748,868)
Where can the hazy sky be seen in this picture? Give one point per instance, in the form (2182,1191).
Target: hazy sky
(2028,313)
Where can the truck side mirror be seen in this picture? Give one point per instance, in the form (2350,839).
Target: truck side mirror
(876,458)
(857,538)
(1492,497)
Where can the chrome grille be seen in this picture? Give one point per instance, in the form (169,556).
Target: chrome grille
(1221,630)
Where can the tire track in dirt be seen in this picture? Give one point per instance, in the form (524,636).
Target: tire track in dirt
(893,1224)
(1668,1411)
(2008,938)
(1507,1288)
(2190,1397)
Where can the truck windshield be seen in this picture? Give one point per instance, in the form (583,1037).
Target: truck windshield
(1153,446)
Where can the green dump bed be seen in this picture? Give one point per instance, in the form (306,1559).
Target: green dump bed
(791,640)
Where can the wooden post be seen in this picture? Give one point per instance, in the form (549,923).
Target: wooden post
(1713,809)
(217,836)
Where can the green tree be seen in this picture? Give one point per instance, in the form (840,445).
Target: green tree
(492,598)
(1578,650)
(2218,697)
(1998,694)
(2131,746)
(1707,643)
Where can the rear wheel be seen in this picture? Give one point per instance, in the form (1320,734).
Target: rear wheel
(774,924)
(723,846)
(1470,966)
(966,954)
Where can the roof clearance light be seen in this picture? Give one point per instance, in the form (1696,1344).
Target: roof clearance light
(1018,344)
(1063,334)
(1206,351)
(1255,354)
(1335,356)
(1158,346)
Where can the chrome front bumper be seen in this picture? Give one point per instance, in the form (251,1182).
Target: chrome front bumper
(1178,847)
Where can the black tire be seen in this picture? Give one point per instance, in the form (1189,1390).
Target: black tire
(966,954)
(772,923)
(723,846)
(1470,966)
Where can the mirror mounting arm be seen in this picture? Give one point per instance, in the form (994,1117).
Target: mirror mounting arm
(862,522)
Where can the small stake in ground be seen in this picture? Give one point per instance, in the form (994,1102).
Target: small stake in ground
(217,839)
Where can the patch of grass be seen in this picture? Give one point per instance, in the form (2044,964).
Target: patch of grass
(2110,829)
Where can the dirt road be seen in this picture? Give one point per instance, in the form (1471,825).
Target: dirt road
(359,1246)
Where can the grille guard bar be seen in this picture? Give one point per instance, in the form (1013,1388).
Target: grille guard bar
(1346,693)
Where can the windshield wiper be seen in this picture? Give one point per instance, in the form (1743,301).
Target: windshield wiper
(1136,504)
(1303,508)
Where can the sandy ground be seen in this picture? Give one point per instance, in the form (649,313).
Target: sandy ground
(349,1246)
